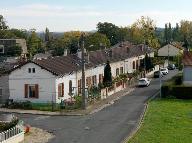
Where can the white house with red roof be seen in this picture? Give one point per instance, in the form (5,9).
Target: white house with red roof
(48,80)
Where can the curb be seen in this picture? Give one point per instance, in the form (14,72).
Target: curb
(85,112)
(140,122)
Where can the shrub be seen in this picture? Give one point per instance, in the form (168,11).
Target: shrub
(182,92)
(20,105)
(5,125)
(178,80)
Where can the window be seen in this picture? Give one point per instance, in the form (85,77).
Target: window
(79,86)
(117,71)
(94,80)
(137,64)
(88,81)
(31,91)
(33,70)
(70,87)
(133,64)
(29,70)
(100,78)
(1,92)
(121,70)
(60,89)
(1,49)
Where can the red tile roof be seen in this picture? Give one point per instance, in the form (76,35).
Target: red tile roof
(187,58)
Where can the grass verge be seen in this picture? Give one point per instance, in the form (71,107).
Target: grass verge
(166,121)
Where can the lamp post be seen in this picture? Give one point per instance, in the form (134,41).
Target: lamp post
(84,100)
(160,79)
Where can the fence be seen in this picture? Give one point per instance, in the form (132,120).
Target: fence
(13,135)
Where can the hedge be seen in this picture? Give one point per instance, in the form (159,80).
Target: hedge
(182,92)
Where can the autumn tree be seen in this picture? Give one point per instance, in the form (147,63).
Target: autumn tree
(144,30)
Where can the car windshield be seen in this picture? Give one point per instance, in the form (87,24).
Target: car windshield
(141,80)
(163,69)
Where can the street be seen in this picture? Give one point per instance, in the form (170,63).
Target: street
(110,125)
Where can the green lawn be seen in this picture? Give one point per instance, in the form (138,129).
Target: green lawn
(166,121)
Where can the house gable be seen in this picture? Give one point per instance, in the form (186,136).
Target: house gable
(30,70)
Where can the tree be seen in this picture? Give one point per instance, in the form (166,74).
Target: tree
(107,79)
(3,25)
(95,41)
(110,30)
(144,30)
(34,44)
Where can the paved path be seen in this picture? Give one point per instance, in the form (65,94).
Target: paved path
(110,125)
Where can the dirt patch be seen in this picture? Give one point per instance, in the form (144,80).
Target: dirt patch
(37,135)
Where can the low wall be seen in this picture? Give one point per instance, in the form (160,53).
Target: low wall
(105,92)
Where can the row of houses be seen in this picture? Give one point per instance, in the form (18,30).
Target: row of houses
(48,80)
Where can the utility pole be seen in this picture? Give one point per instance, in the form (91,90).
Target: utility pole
(84,100)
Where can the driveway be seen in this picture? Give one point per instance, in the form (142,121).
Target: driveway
(110,125)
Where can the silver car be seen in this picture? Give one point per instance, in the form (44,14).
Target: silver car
(144,82)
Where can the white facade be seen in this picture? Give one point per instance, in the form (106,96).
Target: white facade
(47,84)
(169,50)
(187,75)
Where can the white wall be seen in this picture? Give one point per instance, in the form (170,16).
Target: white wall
(20,77)
(65,79)
(173,51)
(187,75)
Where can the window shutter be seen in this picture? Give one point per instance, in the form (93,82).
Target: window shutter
(36,90)
(26,91)
(62,89)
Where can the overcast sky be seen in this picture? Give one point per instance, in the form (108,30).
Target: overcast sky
(66,15)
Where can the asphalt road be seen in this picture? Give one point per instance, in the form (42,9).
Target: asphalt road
(110,125)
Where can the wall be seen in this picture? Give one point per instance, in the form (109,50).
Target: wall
(45,80)
(187,75)
(4,85)
(65,79)
(173,51)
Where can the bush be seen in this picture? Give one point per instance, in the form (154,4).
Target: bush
(178,80)
(21,105)
(5,125)
(182,92)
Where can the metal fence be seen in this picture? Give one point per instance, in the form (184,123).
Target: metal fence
(12,133)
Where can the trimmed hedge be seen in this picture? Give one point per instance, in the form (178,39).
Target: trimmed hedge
(182,92)
(174,88)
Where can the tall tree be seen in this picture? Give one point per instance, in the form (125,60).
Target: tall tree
(107,79)
(144,30)
(110,30)
(34,44)
(95,41)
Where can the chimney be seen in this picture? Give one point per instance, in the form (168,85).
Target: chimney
(79,53)
(142,47)
(128,50)
(110,53)
(65,52)
(87,57)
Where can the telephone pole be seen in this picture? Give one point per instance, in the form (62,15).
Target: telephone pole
(84,100)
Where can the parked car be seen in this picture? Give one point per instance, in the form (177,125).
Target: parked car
(171,67)
(157,74)
(144,82)
(164,71)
